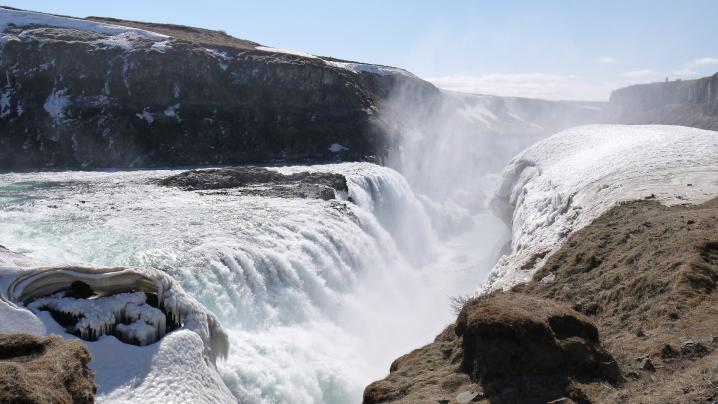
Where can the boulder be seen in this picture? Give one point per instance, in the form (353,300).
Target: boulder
(512,336)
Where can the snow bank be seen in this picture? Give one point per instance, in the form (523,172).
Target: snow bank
(177,368)
(369,68)
(563,183)
(115,35)
(27,18)
(285,51)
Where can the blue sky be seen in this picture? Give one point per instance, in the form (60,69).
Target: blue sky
(552,49)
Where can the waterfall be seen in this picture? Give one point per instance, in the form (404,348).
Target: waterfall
(316,296)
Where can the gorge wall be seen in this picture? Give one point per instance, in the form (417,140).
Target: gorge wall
(687,103)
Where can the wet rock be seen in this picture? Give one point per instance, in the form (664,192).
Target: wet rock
(262,182)
(44,370)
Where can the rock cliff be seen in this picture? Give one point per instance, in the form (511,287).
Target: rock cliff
(688,103)
(101,92)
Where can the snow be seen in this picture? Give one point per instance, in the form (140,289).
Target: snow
(358,68)
(172,111)
(337,148)
(285,51)
(222,56)
(56,103)
(176,369)
(116,35)
(564,182)
(27,18)
(478,113)
(147,116)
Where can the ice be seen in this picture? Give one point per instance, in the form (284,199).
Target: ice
(336,148)
(563,183)
(178,368)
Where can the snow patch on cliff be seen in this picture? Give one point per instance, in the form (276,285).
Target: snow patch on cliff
(285,51)
(20,18)
(358,68)
(563,183)
(56,103)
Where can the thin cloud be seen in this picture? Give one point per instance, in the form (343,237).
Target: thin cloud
(690,68)
(608,60)
(640,74)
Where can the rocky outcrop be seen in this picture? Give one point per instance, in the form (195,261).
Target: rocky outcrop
(504,347)
(643,276)
(261,181)
(688,103)
(510,339)
(44,370)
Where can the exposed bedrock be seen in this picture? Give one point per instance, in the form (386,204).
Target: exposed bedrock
(74,96)
(44,370)
(687,103)
(262,181)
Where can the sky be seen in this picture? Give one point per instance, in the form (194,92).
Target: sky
(555,49)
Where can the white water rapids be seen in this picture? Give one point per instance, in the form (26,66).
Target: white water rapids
(318,297)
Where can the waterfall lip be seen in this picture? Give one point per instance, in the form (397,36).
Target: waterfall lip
(31,283)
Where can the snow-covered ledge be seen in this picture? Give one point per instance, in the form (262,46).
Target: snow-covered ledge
(150,341)
(566,181)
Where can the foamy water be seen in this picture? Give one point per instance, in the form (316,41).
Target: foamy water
(318,297)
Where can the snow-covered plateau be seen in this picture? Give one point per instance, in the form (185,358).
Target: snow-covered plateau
(564,182)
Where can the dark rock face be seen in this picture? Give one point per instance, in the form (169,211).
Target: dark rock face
(688,103)
(44,370)
(261,181)
(75,98)
(509,338)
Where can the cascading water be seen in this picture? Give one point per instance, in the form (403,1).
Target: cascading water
(317,296)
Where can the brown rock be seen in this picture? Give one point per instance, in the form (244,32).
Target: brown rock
(512,335)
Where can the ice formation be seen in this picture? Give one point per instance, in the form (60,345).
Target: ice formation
(563,183)
(174,345)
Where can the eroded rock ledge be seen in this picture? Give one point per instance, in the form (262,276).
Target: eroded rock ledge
(643,276)
(261,182)
(44,370)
